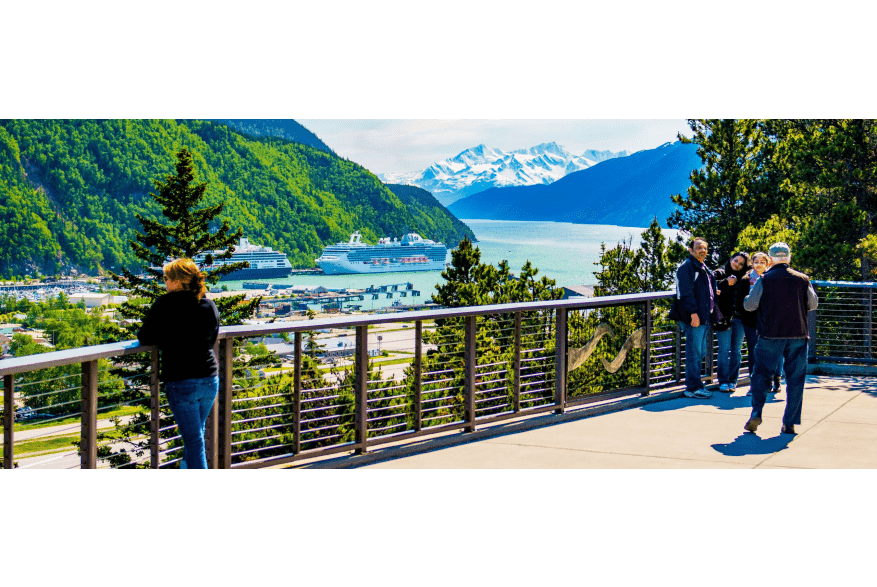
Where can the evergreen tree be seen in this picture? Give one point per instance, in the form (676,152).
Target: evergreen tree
(186,235)
(737,186)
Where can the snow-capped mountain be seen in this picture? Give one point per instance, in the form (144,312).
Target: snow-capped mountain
(481,168)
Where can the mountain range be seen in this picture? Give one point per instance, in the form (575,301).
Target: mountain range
(481,168)
(70,191)
(624,191)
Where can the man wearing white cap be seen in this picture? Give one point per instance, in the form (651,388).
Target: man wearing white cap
(782,297)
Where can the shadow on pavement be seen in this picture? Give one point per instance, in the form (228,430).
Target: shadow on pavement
(752,444)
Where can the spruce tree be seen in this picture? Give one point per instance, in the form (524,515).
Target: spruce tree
(187,234)
(736,187)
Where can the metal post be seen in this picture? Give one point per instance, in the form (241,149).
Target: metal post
(418,376)
(560,361)
(211,428)
(711,354)
(8,421)
(88,434)
(647,352)
(360,387)
(812,318)
(470,361)
(226,395)
(154,412)
(869,349)
(678,362)
(517,389)
(296,395)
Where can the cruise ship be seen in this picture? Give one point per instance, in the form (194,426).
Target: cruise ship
(265,262)
(412,253)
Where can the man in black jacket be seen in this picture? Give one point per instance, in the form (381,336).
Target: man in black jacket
(693,308)
(782,297)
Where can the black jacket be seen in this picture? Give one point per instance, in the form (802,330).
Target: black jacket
(693,284)
(184,329)
(728,298)
(749,319)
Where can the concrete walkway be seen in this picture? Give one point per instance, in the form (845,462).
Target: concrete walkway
(838,430)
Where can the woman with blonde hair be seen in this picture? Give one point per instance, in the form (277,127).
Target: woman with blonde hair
(184,325)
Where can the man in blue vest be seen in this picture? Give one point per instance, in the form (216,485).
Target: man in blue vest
(782,297)
(693,308)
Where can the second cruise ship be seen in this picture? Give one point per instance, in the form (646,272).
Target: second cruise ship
(412,253)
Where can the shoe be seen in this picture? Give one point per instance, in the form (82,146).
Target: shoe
(732,388)
(688,393)
(752,424)
(724,387)
(776,384)
(790,429)
(703,394)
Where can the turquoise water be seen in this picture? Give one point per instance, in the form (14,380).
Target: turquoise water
(562,251)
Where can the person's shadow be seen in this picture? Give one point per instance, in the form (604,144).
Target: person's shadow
(752,444)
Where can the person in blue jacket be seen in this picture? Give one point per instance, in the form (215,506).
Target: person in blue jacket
(694,308)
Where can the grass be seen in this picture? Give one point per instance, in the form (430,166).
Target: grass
(73,419)
(47,445)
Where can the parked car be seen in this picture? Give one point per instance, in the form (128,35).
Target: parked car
(25,413)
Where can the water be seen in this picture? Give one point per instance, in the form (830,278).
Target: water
(561,251)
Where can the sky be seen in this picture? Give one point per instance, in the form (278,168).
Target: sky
(403,146)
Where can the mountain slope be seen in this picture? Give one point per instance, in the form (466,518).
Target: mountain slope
(443,221)
(69,191)
(481,168)
(276,127)
(626,191)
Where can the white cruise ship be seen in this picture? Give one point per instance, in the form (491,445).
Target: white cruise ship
(265,262)
(412,253)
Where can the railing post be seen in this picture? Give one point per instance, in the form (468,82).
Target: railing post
(154,412)
(647,352)
(869,349)
(8,421)
(560,361)
(517,388)
(211,428)
(812,318)
(677,367)
(470,360)
(418,376)
(360,387)
(88,434)
(296,395)
(226,394)
(711,356)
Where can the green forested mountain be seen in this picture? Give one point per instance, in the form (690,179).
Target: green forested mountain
(69,190)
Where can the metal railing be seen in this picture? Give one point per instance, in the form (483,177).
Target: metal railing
(449,370)
(842,330)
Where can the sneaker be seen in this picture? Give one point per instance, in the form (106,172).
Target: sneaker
(724,387)
(732,388)
(703,394)
(790,429)
(752,424)
(688,393)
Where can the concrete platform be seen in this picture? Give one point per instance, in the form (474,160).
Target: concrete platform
(838,430)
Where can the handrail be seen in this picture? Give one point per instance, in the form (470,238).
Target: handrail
(18,365)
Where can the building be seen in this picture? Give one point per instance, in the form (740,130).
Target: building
(92,299)
(578,291)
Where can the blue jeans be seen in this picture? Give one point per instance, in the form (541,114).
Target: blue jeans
(190,401)
(768,354)
(730,355)
(695,351)
(751,342)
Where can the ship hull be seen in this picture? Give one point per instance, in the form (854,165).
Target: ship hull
(345,268)
(269,273)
